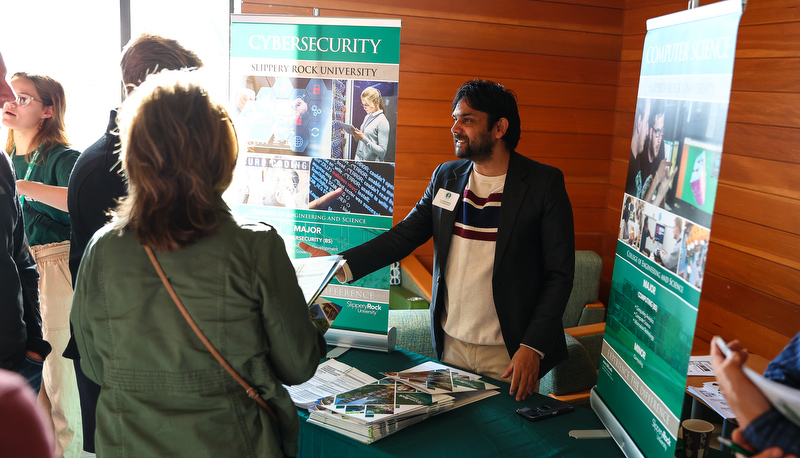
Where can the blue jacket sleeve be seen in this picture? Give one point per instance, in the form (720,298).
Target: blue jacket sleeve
(773,428)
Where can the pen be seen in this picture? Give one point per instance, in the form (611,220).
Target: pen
(734,446)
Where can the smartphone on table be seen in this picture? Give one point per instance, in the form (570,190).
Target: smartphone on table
(547,409)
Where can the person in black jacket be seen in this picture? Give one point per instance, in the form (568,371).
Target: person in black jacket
(504,247)
(22,346)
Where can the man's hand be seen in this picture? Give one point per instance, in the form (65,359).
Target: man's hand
(525,367)
(744,398)
(341,273)
(326,200)
(313,251)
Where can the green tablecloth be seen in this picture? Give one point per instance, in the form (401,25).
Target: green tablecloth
(487,428)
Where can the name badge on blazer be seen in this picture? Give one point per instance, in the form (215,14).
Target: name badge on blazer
(446,199)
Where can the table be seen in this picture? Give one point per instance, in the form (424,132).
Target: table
(487,428)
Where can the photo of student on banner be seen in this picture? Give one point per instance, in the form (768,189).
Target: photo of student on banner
(285,115)
(367,187)
(374,113)
(666,239)
(272,181)
(373,136)
(675,153)
(646,163)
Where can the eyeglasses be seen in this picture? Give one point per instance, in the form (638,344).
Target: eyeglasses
(25,100)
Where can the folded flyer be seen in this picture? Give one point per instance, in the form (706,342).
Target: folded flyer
(435,378)
(330,378)
(380,401)
(313,275)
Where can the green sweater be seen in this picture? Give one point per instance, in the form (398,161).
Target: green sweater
(163,393)
(43,223)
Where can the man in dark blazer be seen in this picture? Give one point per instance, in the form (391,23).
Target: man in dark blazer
(527,220)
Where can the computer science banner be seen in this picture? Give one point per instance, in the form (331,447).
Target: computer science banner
(315,107)
(676,149)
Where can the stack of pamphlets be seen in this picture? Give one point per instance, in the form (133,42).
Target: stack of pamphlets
(379,408)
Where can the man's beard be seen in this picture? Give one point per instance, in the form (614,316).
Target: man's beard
(478,149)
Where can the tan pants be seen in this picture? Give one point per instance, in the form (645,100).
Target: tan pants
(59,393)
(489,360)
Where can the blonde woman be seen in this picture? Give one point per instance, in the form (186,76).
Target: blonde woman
(39,149)
(163,393)
(373,137)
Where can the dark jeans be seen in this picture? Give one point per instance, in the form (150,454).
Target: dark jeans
(31,369)
(88,392)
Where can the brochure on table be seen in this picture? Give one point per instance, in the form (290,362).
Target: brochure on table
(332,377)
(682,106)
(295,88)
(381,400)
(435,378)
(344,399)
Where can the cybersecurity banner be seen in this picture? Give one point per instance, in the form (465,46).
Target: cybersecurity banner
(665,225)
(314,102)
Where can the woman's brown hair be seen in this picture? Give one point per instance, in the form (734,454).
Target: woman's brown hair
(179,149)
(53,130)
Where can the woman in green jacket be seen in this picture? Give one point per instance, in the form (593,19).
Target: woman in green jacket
(163,394)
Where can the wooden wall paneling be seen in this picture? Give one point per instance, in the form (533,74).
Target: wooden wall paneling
(498,64)
(769,311)
(623,123)
(759,339)
(773,245)
(765,142)
(428,86)
(774,211)
(768,276)
(439,141)
(519,39)
(617,178)
(749,173)
(412,191)
(779,39)
(546,119)
(770,12)
(592,241)
(765,108)
(588,219)
(632,46)
(748,75)
(637,14)
(629,73)
(587,195)
(599,16)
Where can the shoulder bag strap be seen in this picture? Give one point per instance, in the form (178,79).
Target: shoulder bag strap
(248,389)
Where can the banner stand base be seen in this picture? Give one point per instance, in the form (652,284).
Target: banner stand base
(618,433)
(362,340)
